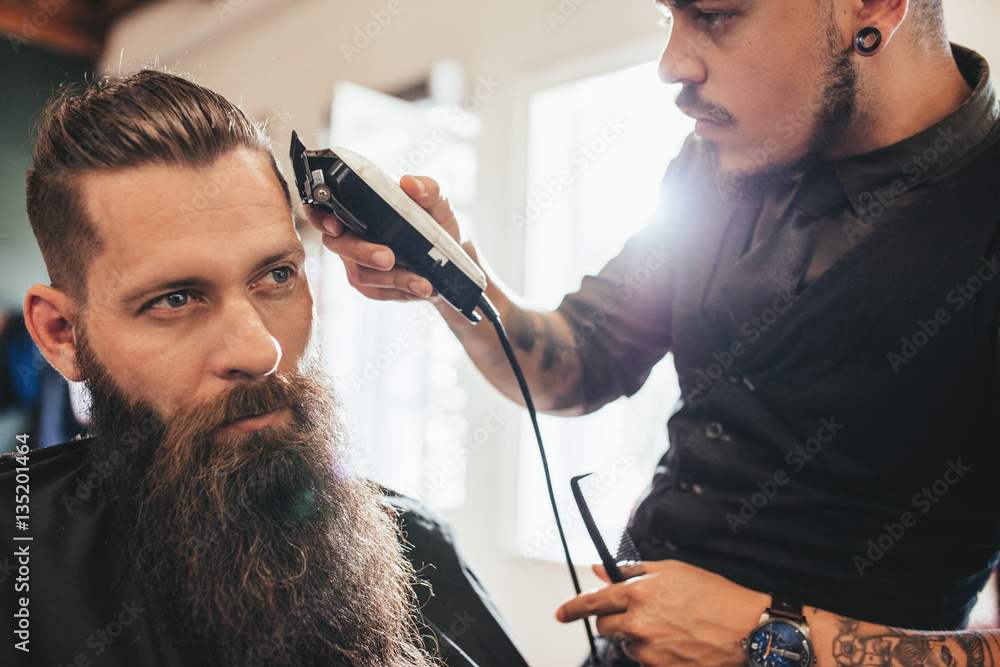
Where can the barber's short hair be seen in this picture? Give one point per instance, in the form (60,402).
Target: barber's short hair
(147,118)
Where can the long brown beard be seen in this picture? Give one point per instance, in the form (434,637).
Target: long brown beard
(259,547)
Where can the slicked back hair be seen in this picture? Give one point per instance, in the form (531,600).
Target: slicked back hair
(148,118)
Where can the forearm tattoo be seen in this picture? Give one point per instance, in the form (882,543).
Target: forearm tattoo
(529,328)
(557,361)
(854,646)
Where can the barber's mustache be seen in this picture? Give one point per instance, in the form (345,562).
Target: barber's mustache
(689,101)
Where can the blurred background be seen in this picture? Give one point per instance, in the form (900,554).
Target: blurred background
(548,129)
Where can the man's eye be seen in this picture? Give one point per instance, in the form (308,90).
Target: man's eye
(713,20)
(172,300)
(283,275)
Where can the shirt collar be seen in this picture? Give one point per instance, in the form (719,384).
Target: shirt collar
(929,154)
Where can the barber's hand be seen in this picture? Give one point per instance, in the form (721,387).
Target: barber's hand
(371,268)
(676,614)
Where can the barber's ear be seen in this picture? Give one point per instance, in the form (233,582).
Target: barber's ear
(884,15)
(50,316)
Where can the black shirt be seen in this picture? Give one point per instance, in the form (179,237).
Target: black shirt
(837,353)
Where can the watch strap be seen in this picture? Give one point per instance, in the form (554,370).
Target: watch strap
(787,608)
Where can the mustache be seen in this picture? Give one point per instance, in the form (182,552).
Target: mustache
(272,393)
(689,101)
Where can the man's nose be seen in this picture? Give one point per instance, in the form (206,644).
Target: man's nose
(682,60)
(245,348)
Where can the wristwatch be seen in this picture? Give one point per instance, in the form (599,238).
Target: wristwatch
(781,638)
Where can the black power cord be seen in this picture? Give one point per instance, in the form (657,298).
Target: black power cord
(491,314)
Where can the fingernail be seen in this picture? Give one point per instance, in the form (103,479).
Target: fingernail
(420,288)
(421,188)
(382,259)
(332,228)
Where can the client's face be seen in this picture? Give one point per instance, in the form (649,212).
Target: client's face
(199,281)
(252,539)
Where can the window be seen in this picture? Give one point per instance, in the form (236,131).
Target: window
(597,150)
(401,379)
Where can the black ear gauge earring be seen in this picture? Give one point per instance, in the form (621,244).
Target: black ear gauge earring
(861,41)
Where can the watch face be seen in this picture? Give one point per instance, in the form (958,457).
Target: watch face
(779,644)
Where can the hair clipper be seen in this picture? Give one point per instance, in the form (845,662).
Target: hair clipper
(374,207)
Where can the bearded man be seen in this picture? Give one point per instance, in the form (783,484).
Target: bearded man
(823,269)
(213,516)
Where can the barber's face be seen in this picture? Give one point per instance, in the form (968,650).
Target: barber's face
(199,284)
(769,82)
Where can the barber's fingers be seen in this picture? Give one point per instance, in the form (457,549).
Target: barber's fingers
(359,256)
(397,284)
(372,270)
(611,626)
(426,192)
(609,600)
(622,627)
(354,249)
(327,223)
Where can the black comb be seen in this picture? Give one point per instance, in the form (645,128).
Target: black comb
(626,561)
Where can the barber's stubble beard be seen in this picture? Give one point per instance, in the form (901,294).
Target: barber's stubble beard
(836,106)
(260,547)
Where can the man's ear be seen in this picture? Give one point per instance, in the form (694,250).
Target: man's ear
(50,316)
(885,15)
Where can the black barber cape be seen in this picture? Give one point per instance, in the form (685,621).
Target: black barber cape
(83,605)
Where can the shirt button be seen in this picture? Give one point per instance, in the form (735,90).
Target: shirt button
(738,378)
(713,430)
